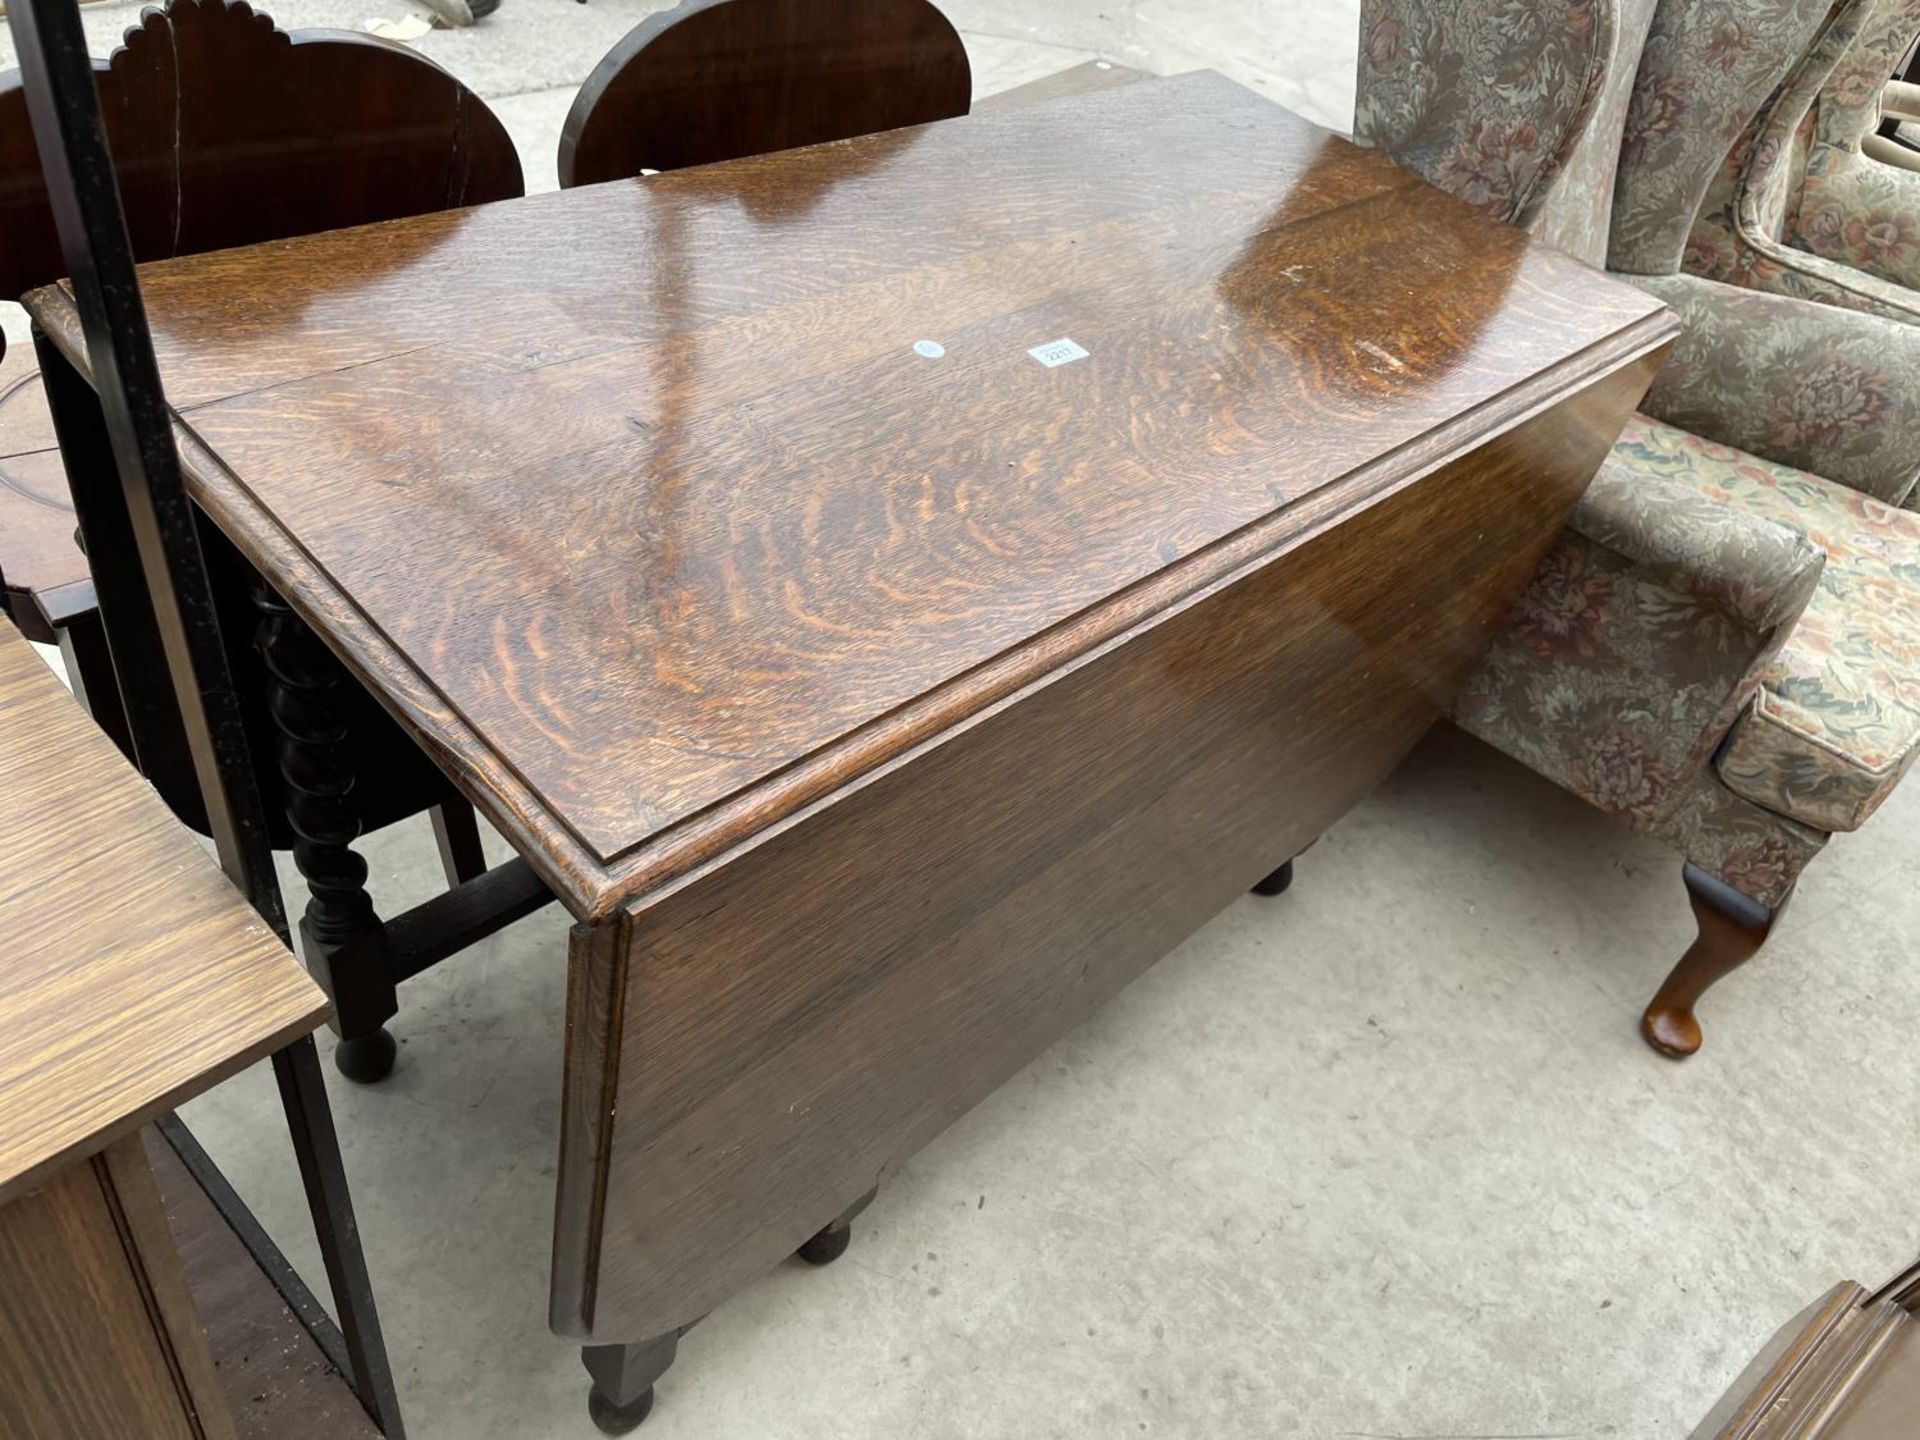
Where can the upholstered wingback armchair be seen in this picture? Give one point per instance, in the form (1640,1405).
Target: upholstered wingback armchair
(1807,203)
(1722,649)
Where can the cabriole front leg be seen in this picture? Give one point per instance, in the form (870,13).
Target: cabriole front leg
(1733,927)
(341,936)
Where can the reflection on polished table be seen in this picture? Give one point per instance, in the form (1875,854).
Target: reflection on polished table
(879,706)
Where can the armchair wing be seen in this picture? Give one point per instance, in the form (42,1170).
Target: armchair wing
(1833,391)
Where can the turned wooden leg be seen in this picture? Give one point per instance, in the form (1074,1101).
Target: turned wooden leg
(457,833)
(341,937)
(623,1376)
(1277,882)
(1733,927)
(829,1243)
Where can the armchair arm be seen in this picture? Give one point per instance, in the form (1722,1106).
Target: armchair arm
(1645,632)
(1750,570)
(1824,389)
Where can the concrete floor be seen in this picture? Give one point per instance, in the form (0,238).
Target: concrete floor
(1382,1158)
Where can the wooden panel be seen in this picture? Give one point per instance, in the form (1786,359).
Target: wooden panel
(788,1026)
(717,79)
(639,507)
(1884,1403)
(277,1382)
(96,1338)
(135,974)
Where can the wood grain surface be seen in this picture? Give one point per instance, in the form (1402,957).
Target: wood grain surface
(714,80)
(637,505)
(132,974)
(1846,1368)
(97,1335)
(785,1029)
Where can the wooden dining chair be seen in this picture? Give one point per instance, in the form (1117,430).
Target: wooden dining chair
(228,131)
(716,80)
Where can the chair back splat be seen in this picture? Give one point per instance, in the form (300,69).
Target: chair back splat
(715,80)
(227,131)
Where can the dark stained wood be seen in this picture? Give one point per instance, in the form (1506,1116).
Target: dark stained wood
(941,923)
(718,79)
(135,974)
(1733,927)
(97,1335)
(277,1382)
(637,505)
(1084,79)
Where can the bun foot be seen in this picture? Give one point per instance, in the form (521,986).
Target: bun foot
(618,1419)
(367,1058)
(828,1245)
(1277,882)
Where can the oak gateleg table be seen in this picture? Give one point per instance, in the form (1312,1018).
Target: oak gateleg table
(889,592)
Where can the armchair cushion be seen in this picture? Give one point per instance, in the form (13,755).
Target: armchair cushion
(1836,721)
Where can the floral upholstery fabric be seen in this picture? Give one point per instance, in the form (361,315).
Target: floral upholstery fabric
(1645,634)
(1795,197)
(1758,181)
(1851,208)
(1657,666)
(1803,384)
(1485,98)
(1835,719)
(1579,207)
(1707,68)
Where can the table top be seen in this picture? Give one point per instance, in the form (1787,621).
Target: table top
(659,510)
(132,974)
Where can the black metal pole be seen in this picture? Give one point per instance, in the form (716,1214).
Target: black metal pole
(303,1092)
(57,76)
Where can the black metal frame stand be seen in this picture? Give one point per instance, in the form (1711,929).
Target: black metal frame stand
(140,522)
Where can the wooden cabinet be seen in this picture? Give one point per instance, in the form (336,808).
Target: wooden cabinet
(97,1334)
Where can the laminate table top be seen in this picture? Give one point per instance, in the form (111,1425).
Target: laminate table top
(132,974)
(658,510)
